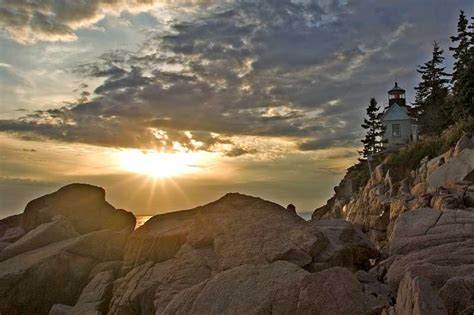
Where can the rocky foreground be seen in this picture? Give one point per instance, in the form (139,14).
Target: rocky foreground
(71,252)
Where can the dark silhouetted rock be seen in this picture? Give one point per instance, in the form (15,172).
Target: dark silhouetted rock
(458,295)
(9,222)
(60,309)
(377,294)
(416,296)
(248,289)
(3,245)
(57,230)
(30,283)
(12,234)
(84,205)
(149,287)
(276,288)
(332,291)
(348,246)
(95,297)
(113,266)
(291,207)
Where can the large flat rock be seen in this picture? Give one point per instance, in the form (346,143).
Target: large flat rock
(433,244)
(456,169)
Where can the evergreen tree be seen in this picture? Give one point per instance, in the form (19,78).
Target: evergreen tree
(430,100)
(461,52)
(373,142)
(463,74)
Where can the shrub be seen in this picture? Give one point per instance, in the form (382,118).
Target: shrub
(408,158)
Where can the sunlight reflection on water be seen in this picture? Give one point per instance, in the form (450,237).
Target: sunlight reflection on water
(141,219)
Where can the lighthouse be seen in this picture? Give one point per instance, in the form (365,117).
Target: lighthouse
(400,127)
(396,95)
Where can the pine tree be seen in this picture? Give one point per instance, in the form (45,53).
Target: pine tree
(430,100)
(463,75)
(461,52)
(373,142)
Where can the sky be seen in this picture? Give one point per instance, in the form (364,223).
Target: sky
(171,104)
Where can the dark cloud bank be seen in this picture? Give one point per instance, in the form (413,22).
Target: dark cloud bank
(298,69)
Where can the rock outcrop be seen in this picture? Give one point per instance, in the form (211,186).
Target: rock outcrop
(231,232)
(49,251)
(243,254)
(84,205)
(238,253)
(455,170)
(254,289)
(93,299)
(443,182)
(432,258)
(348,246)
(276,288)
(332,291)
(9,222)
(33,281)
(57,230)
(416,296)
(458,295)
(394,248)
(434,244)
(240,229)
(378,295)
(424,226)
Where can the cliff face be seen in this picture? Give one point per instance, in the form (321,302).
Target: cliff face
(443,182)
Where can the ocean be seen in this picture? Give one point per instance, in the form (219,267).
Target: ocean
(141,219)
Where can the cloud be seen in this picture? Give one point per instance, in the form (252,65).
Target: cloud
(29,21)
(9,77)
(299,70)
(237,151)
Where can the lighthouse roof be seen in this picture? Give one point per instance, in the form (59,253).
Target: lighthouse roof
(396,88)
(396,112)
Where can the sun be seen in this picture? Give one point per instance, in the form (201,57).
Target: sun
(158,164)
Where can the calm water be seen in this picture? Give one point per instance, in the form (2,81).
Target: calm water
(141,219)
(305,215)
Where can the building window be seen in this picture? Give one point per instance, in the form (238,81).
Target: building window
(396,95)
(396,130)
